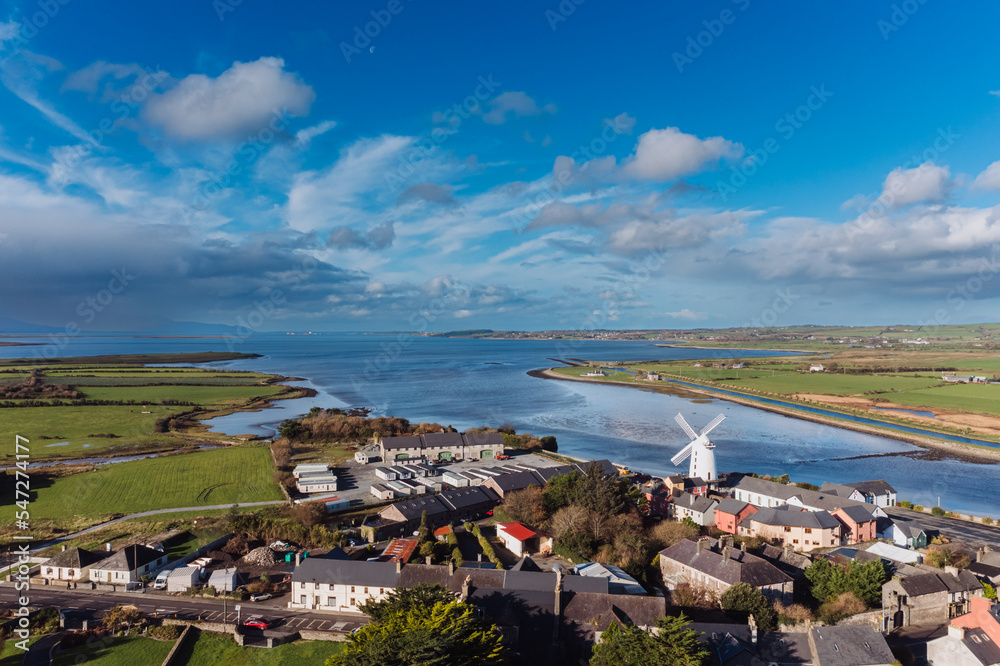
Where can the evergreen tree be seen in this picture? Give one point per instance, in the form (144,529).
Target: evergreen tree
(745,598)
(674,644)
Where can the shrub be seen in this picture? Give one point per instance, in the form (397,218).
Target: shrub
(918,507)
(167,632)
(792,614)
(938,511)
(844,605)
(987,521)
(906,505)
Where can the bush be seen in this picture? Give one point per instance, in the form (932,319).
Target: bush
(918,507)
(456,554)
(906,505)
(845,605)
(167,632)
(938,511)
(793,614)
(987,521)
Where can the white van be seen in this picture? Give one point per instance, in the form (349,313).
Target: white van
(161,581)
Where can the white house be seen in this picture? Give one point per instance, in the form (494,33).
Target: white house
(72,564)
(816,367)
(128,565)
(341,585)
(699,509)
(521,539)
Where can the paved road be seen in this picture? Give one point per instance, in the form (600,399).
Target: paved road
(185,608)
(38,653)
(972,534)
(141,514)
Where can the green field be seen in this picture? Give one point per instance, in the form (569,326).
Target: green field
(211,649)
(220,476)
(202,395)
(978,398)
(76,425)
(118,652)
(11,655)
(828,383)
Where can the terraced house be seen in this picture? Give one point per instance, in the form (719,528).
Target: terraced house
(717,566)
(441,446)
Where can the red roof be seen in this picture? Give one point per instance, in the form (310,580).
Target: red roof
(518,531)
(399,550)
(443,531)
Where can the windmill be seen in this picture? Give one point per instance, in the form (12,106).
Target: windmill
(700,449)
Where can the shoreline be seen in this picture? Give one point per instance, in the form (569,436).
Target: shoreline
(955,450)
(790,351)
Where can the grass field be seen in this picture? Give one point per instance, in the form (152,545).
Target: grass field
(211,649)
(118,652)
(979,398)
(202,395)
(829,383)
(11,655)
(220,476)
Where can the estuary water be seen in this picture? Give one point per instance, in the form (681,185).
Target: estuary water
(467,383)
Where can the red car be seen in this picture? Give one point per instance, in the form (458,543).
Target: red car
(258,622)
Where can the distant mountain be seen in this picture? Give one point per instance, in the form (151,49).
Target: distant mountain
(164,326)
(470,333)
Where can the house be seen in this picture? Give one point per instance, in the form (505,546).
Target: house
(717,566)
(859,525)
(816,367)
(699,509)
(521,540)
(929,598)
(315,482)
(877,492)
(787,561)
(802,530)
(986,573)
(619,582)
(972,640)
(849,646)
(128,565)
(224,580)
(72,564)
(450,506)
(763,493)
(368,454)
(441,446)
(902,532)
(304,469)
(658,499)
(505,484)
(681,483)
(341,585)
(653,376)
(731,512)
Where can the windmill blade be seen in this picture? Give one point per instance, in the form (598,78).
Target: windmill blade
(682,454)
(684,424)
(711,426)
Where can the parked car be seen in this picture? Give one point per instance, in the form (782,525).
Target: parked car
(258,621)
(260,596)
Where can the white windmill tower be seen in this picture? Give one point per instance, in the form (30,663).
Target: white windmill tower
(700,449)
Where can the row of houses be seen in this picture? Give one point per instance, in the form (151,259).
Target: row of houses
(127,566)
(444,446)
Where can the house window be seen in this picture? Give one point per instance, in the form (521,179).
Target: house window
(809,530)
(352,601)
(788,529)
(352,591)
(302,600)
(795,540)
(366,590)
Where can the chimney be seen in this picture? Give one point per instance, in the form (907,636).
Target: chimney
(480,557)
(743,546)
(789,550)
(701,546)
(427,559)
(955,631)
(753,630)
(466,584)
(979,555)
(725,552)
(107,546)
(64,548)
(399,565)
(451,567)
(298,558)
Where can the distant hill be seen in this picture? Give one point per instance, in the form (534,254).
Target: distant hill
(10,326)
(470,333)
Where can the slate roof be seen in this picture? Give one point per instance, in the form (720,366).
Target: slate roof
(351,572)
(738,567)
(981,569)
(784,558)
(403,442)
(812,498)
(517,481)
(130,558)
(525,564)
(619,582)
(784,648)
(442,440)
(592,612)
(732,506)
(75,558)
(931,583)
(695,502)
(792,518)
(849,646)
(858,514)
(876,487)
(983,649)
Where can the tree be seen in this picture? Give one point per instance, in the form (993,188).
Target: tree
(674,644)
(549,443)
(309,513)
(669,532)
(424,531)
(525,506)
(448,633)
(122,616)
(866,580)
(560,491)
(826,580)
(290,428)
(403,599)
(745,598)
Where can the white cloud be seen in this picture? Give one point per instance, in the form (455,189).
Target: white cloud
(89,78)
(927,183)
(690,315)
(8,31)
(515,104)
(989,179)
(304,136)
(663,155)
(243,99)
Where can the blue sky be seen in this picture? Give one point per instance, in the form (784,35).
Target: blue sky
(521,165)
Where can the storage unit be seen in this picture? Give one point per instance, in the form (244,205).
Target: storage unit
(400,487)
(382,492)
(455,479)
(386,473)
(416,488)
(311,468)
(181,578)
(434,485)
(223,580)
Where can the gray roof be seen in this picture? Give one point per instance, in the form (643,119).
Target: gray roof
(849,646)
(738,567)
(75,558)
(876,487)
(784,557)
(320,570)
(404,442)
(983,569)
(442,440)
(732,506)
(982,646)
(813,498)
(784,648)
(525,564)
(697,503)
(130,558)
(858,514)
(793,518)
(592,612)
(931,583)
(517,481)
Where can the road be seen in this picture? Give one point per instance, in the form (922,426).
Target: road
(141,514)
(972,534)
(184,608)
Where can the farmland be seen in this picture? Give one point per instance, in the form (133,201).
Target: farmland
(221,476)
